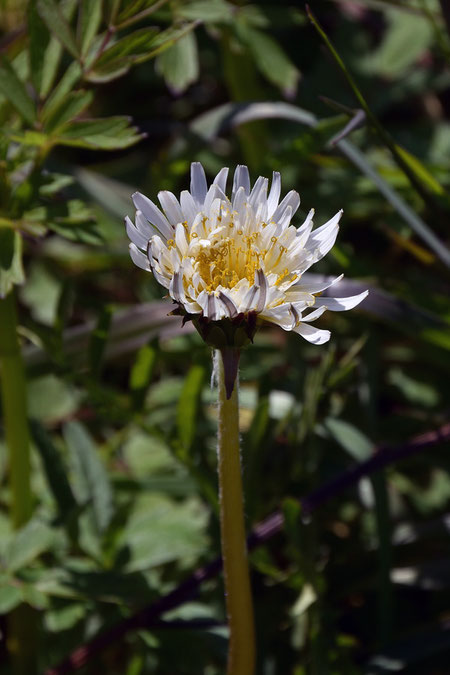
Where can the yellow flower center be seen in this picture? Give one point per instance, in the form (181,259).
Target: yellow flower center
(229,260)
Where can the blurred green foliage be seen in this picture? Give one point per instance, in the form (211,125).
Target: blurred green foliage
(123,416)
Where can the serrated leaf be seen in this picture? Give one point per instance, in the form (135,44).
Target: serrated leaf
(271,59)
(117,60)
(72,220)
(91,477)
(55,471)
(89,23)
(39,40)
(66,109)
(11,270)
(13,89)
(138,42)
(110,133)
(55,21)
(27,544)
(179,64)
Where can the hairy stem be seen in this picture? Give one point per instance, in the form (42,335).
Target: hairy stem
(241,651)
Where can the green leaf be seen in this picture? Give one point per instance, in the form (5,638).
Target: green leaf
(179,64)
(350,438)
(117,60)
(92,482)
(64,618)
(11,270)
(188,406)
(52,399)
(407,37)
(72,220)
(207,11)
(10,596)
(55,471)
(41,294)
(64,86)
(65,110)
(98,340)
(131,8)
(89,23)
(131,45)
(50,65)
(39,40)
(161,531)
(146,455)
(421,171)
(110,133)
(270,58)
(416,392)
(27,544)
(13,89)
(55,21)
(141,374)
(54,52)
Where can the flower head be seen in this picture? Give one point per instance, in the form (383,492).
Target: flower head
(237,258)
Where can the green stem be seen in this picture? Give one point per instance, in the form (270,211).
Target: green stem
(22,625)
(241,651)
(14,413)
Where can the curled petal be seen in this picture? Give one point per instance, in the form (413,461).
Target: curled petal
(229,304)
(139,258)
(341,304)
(312,334)
(263,287)
(136,237)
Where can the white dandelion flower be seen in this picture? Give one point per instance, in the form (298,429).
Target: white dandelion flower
(237,258)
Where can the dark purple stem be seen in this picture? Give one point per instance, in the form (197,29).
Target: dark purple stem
(383,456)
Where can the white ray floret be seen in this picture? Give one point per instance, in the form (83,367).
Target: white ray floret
(220,257)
